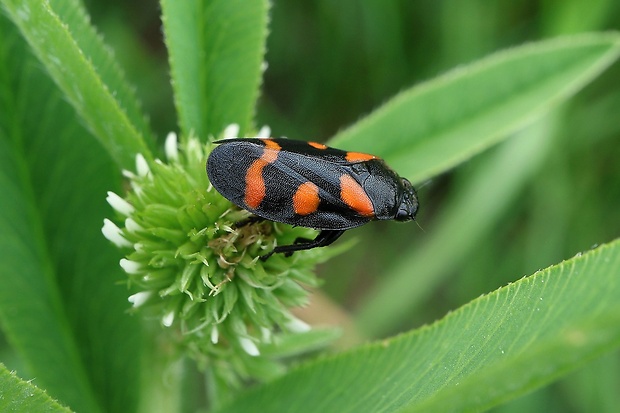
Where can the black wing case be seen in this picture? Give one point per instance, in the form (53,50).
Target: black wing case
(240,170)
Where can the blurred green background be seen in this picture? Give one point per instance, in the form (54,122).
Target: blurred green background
(331,62)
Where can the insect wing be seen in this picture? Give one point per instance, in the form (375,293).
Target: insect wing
(290,186)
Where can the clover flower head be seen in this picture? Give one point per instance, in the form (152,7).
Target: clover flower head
(191,263)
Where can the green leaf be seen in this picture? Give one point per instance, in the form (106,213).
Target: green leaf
(18,396)
(60,306)
(471,212)
(76,59)
(536,329)
(216,50)
(432,127)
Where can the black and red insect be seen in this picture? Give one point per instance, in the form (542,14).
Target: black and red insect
(308,184)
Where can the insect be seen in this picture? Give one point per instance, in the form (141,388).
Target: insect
(309,184)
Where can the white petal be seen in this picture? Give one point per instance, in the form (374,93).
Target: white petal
(128,174)
(119,204)
(249,346)
(168,319)
(171,147)
(264,132)
(297,326)
(114,234)
(231,131)
(215,335)
(142,167)
(132,226)
(140,298)
(131,267)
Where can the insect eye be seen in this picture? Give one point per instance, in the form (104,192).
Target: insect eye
(406,212)
(409,203)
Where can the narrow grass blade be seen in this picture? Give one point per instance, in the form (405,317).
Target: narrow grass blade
(216,50)
(63,40)
(432,127)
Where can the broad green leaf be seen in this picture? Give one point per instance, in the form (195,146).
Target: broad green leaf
(434,126)
(493,349)
(216,50)
(66,44)
(470,213)
(18,396)
(61,307)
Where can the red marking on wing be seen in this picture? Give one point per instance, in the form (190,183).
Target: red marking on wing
(254,182)
(359,157)
(317,145)
(354,196)
(306,199)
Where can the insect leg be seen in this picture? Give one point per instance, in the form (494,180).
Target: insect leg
(325,237)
